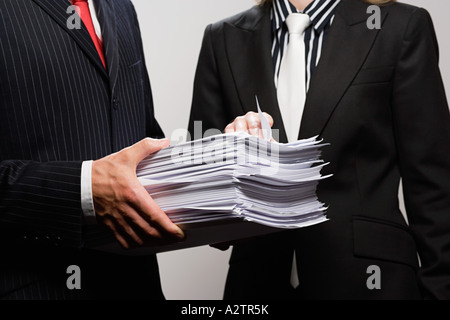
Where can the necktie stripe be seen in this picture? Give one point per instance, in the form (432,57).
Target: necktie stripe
(86,17)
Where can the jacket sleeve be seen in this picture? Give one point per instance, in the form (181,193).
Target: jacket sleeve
(40,203)
(422,121)
(208,111)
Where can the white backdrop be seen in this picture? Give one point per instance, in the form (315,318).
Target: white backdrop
(172,32)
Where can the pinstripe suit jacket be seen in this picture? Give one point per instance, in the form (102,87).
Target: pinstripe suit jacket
(58,107)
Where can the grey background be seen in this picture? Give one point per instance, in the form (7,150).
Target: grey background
(172,32)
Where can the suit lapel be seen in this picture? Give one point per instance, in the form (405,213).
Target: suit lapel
(248,46)
(345,49)
(58,11)
(107,19)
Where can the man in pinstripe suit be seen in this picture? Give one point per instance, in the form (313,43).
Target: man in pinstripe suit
(60,108)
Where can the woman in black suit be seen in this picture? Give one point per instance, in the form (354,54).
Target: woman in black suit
(377,97)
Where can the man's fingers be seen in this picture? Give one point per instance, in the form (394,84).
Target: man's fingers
(124,243)
(153,214)
(145,147)
(123,223)
(142,226)
(132,231)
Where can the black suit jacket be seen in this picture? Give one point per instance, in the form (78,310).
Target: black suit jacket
(58,107)
(377,98)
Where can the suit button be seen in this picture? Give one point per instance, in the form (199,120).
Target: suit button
(57,241)
(115,103)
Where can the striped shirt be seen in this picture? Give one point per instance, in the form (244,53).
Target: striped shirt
(321,13)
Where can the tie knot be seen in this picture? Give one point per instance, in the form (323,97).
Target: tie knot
(298,22)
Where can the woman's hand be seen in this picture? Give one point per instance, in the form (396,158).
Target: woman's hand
(250,123)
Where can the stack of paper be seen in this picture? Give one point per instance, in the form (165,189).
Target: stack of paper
(237,176)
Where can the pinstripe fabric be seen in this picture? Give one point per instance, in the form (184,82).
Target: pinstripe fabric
(58,107)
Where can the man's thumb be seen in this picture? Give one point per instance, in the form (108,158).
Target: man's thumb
(147,146)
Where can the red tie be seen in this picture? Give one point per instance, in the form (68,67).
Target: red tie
(85,15)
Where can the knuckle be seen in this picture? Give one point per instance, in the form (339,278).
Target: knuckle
(124,156)
(130,194)
(240,123)
(148,143)
(153,217)
(253,123)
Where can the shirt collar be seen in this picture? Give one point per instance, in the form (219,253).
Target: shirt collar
(320,12)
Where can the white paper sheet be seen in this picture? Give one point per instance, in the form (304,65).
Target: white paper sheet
(238,176)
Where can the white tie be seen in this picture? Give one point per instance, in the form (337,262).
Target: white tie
(291,89)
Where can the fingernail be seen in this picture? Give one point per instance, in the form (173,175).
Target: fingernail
(180,234)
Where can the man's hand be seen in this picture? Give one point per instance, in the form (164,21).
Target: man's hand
(250,123)
(123,204)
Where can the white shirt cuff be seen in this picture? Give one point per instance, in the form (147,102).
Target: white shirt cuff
(87,200)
